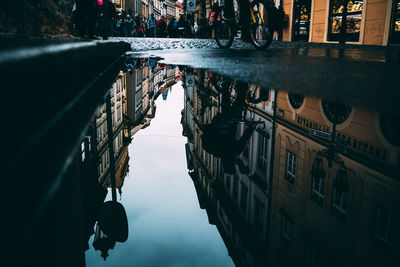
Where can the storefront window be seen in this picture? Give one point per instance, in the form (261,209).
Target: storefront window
(301,23)
(353,17)
(395,34)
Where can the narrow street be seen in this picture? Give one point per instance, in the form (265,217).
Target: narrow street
(321,70)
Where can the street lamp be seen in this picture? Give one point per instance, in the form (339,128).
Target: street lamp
(102,242)
(331,152)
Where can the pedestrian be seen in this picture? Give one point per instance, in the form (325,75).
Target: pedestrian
(219,138)
(162,27)
(137,23)
(119,25)
(280,22)
(145,29)
(85,14)
(129,23)
(108,15)
(203,27)
(170,28)
(141,29)
(152,25)
(181,26)
(196,30)
(74,19)
(176,28)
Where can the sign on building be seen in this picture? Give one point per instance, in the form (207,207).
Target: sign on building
(191,5)
(189,80)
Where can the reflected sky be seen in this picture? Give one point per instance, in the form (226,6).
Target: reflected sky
(167,226)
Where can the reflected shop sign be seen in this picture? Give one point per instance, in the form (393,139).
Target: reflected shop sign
(344,140)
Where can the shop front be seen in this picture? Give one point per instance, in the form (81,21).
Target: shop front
(349,11)
(395,25)
(301,20)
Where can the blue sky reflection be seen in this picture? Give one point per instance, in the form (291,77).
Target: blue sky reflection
(167,226)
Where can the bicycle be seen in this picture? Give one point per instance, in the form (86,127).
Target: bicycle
(260,26)
(241,96)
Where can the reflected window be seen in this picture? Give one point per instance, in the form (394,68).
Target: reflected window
(119,86)
(286,227)
(107,157)
(99,134)
(243,197)
(119,113)
(262,152)
(104,161)
(101,168)
(89,140)
(336,113)
(296,100)
(290,167)
(317,192)
(104,130)
(112,91)
(384,227)
(259,213)
(83,151)
(339,204)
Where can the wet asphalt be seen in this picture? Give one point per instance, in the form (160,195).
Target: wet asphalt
(353,75)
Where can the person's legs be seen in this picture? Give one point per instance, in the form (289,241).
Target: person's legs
(239,105)
(92,18)
(228,9)
(80,14)
(244,18)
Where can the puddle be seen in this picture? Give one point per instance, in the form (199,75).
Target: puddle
(217,172)
(181,166)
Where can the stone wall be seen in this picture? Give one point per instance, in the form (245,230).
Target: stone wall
(35,17)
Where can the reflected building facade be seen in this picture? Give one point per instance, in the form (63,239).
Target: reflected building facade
(131,100)
(343,215)
(96,151)
(236,202)
(318,185)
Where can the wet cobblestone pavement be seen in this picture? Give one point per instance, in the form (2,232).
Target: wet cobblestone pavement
(144,44)
(288,66)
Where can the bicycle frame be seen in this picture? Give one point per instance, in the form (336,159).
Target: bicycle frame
(252,11)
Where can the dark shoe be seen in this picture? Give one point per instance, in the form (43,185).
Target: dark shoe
(94,37)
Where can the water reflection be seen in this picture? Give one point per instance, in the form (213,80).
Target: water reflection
(286,179)
(104,163)
(318,185)
(129,107)
(172,235)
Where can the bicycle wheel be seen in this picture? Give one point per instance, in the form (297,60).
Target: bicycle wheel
(260,30)
(224,33)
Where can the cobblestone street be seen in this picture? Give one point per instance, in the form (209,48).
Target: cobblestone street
(288,66)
